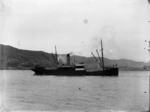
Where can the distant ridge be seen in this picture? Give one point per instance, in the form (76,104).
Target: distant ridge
(14,58)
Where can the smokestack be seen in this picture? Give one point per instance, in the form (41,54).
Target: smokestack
(68,59)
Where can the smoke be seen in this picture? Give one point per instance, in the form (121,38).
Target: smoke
(79,53)
(95,42)
(111,42)
(105,33)
(72,53)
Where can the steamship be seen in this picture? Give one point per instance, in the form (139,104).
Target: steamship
(77,69)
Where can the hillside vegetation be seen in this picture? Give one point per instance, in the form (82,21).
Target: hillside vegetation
(14,58)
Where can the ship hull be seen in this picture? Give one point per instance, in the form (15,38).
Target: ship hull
(71,72)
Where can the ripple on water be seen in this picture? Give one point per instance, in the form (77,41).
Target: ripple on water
(24,91)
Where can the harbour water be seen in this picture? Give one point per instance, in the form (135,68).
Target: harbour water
(20,90)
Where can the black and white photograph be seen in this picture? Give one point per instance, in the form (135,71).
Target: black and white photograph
(75,55)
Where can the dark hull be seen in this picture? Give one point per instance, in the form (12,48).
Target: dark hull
(108,72)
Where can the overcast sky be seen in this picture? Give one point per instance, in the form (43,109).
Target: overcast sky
(77,26)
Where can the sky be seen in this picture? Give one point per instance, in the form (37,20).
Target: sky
(77,26)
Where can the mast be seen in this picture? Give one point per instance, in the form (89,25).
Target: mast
(56,55)
(102,54)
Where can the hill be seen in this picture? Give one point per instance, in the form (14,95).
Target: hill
(123,64)
(14,58)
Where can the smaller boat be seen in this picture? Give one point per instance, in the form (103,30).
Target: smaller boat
(77,69)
